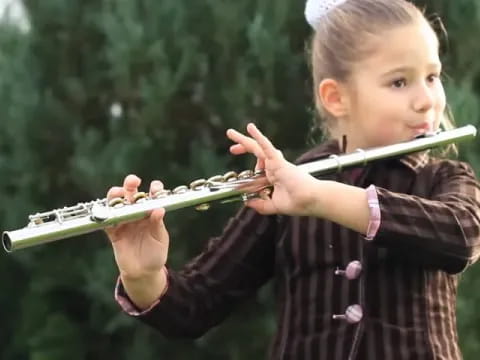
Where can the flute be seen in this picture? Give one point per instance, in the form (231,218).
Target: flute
(96,215)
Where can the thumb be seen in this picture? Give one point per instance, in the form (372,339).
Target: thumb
(157,225)
(264,207)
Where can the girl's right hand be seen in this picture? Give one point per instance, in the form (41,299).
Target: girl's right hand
(140,247)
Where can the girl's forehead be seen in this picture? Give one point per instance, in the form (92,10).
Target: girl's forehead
(413,45)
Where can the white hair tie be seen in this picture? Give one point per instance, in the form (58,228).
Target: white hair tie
(316,9)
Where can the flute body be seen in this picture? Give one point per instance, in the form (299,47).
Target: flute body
(96,215)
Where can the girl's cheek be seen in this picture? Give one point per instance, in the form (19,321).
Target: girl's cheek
(392,133)
(441,98)
(384,135)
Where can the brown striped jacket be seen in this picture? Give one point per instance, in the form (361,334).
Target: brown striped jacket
(404,297)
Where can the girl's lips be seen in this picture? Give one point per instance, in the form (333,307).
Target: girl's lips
(421,128)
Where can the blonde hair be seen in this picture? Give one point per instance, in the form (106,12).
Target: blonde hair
(341,38)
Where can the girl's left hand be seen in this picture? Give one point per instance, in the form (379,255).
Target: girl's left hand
(293,188)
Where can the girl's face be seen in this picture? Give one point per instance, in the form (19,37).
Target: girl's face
(395,94)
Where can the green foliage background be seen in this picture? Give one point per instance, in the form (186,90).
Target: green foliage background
(182,72)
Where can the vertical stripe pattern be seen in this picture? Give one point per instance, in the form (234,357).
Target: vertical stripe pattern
(406,290)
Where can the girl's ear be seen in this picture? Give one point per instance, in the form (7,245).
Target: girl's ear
(333,98)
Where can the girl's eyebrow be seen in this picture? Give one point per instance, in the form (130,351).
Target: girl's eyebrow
(403,69)
(400,69)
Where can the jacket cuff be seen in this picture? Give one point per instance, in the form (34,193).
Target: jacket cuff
(127,304)
(375,217)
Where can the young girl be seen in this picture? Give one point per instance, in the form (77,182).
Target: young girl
(365,262)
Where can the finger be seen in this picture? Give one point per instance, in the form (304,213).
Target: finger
(157,215)
(157,224)
(249,144)
(264,207)
(115,191)
(155,186)
(267,147)
(130,185)
(238,149)
(260,165)
(265,194)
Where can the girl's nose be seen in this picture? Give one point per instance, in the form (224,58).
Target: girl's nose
(423,98)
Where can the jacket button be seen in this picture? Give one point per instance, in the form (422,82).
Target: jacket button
(353,314)
(352,270)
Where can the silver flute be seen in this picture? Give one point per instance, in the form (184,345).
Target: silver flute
(91,216)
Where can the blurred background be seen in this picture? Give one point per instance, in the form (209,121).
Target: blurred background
(91,90)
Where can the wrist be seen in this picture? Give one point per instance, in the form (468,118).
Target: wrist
(319,197)
(141,277)
(145,290)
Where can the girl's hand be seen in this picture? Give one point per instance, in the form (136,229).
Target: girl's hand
(292,187)
(140,247)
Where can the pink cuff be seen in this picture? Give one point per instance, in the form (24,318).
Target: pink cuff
(374,222)
(128,306)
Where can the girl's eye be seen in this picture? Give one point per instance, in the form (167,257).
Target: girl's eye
(399,83)
(433,77)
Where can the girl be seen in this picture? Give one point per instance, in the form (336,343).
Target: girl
(365,262)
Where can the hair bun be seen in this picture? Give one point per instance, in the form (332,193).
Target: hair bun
(316,9)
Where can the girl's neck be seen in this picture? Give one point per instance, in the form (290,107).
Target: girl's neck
(346,142)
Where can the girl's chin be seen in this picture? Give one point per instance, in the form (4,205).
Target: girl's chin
(393,141)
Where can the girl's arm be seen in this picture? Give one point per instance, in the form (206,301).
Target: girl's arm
(442,231)
(343,204)
(231,268)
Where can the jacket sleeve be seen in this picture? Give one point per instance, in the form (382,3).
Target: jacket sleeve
(442,231)
(232,267)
